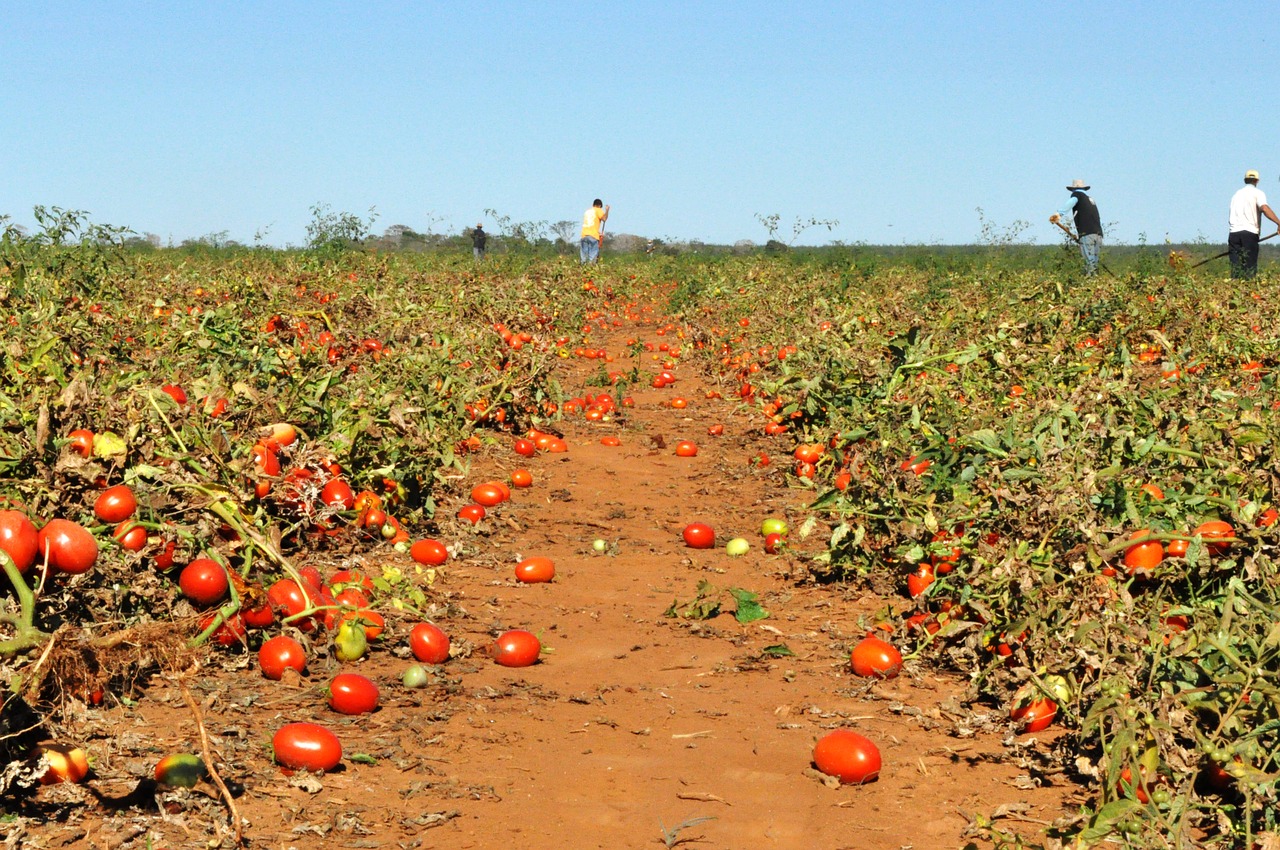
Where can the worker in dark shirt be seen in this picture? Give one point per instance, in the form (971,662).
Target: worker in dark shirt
(478,238)
(1088,225)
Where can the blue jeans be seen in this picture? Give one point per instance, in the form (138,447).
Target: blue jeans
(1091,250)
(589,249)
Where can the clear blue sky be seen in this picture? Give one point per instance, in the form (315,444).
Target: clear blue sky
(899,120)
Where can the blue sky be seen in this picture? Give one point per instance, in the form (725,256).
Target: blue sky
(898,120)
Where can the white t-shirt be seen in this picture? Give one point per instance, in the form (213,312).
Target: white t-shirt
(1245,205)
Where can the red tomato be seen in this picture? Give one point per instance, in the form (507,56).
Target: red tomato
(260,617)
(351,693)
(175,392)
(919,579)
(848,756)
(351,597)
(535,570)
(80,441)
(521,478)
(131,536)
(66,764)
(1036,715)
(116,504)
(68,546)
(525,448)
(351,578)
(472,513)
(204,581)
(715,430)
(1141,558)
(231,632)
(611,441)
(287,596)
(429,552)
(516,648)
(875,657)
(373,623)
(488,494)
(773,543)
(306,746)
(699,535)
(338,494)
(280,653)
(429,643)
(684,448)
(19,539)
(1213,530)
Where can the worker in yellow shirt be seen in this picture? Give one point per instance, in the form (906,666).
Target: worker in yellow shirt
(592,224)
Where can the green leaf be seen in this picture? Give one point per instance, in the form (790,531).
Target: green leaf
(778,650)
(362,758)
(749,610)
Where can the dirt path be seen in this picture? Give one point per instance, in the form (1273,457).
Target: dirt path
(636,730)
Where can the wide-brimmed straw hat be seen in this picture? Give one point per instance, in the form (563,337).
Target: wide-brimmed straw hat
(1078,184)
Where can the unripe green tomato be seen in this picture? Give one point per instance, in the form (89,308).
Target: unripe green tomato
(599,545)
(415,677)
(737,546)
(351,643)
(388,531)
(773,525)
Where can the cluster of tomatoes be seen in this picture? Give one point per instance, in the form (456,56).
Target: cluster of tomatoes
(1148,552)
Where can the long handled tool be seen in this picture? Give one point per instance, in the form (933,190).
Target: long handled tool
(1228,251)
(1076,239)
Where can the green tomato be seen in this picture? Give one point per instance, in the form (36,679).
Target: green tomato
(180,770)
(737,546)
(415,677)
(773,525)
(599,545)
(351,643)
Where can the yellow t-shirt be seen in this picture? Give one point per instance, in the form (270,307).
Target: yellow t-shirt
(591,222)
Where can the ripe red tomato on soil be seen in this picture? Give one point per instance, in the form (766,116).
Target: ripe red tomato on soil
(204,581)
(306,746)
(66,764)
(279,654)
(516,648)
(432,553)
(521,478)
(1036,715)
(873,657)
(80,441)
(488,494)
(685,448)
(920,578)
(115,504)
(535,570)
(19,539)
(429,643)
(351,693)
(848,756)
(69,546)
(472,513)
(699,535)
